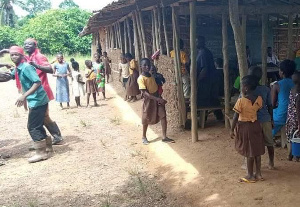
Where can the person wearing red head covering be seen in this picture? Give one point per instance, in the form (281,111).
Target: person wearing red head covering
(34,94)
(40,62)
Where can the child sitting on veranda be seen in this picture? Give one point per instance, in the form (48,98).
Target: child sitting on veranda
(37,99)
(247,131)
(153,106)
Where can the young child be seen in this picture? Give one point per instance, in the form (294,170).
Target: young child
(153,106)
(280,94)
(265,114)
(249,140)
(106,61)
(293,115)
(123,72)
(100,74)
(91,87)
(62,71)
(77,82)
(37,100)
(159,79)
(132,88)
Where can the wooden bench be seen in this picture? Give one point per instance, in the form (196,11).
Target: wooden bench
(202,111)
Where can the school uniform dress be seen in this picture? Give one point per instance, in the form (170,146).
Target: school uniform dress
(62,83)
(125,73)
(37,102)
(132,87)
(77,87)
(249,140)
(90,85)
(280,113)
(100,76)
(152,112)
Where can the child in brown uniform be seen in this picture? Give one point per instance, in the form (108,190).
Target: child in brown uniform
(132,88)
(248,133)
(153,106)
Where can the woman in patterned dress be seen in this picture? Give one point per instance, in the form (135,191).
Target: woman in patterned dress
(98,67)
(293,116)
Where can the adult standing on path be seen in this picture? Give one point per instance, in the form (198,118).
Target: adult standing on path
(61,72)
(40,62)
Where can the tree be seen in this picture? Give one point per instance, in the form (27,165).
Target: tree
(7,37)
(57,30)
(67,4)
(7,14)
(35,6)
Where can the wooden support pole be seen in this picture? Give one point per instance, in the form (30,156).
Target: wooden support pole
(193,72)
(165,31)
(176,45)
(244,28)
(153,33)
(111,37)
(106,39)
(129,35)
(137,19)
(290,53)
(136,42)
(238,36)
(125,37)
(115,36)
(156,29)
(144,45)
(118,35)
(226,68)
(121,37)
(264,45)
(159,29)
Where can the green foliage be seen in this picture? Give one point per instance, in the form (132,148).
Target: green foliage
(57,31)
(35,6)
(7,37)
(67,4)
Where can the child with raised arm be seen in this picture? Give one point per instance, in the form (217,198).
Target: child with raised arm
(91,87)
(153,106)
(37,100)
(293,115)
(247,131)
(78,83)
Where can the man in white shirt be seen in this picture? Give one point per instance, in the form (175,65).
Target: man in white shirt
(272,58)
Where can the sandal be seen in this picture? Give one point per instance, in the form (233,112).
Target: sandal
(145,141)
(168,140)
(245,180)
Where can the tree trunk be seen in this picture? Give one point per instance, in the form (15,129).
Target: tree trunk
(238,37)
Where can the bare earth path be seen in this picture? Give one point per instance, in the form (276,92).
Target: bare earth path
(102,163)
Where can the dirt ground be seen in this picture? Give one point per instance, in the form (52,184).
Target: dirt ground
(103,163)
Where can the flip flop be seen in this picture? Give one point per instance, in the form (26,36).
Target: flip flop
(245,180)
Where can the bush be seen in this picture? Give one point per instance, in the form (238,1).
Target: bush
(57,31)
(7,37)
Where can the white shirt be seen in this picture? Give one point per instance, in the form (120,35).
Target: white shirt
(125,69)
(273,59)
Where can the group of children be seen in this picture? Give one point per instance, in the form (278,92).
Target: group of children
(95,74)
(261,112)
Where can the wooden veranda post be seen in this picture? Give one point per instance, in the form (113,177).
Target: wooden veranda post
(129,35)
(165,30)
(176,45)
(125,37)
(156,29)
(153,33)
(238,36)
(290,38)
(144,46)
(193,72)
(244,28)
(137,19)
(106,39)
(264,45)
(159,28)
(136,42)
(120,37)
(226,68)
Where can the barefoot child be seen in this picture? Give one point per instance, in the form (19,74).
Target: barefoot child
(249,140)
(37,100)
(123,72)
(132,88)
(100,74)
(78,83)
(293,117)
(106,61)
(90,85)
(265,114)
(153,106)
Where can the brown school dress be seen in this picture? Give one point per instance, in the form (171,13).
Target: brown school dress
(249,140)
(91,86)
(132,87)
(152,112)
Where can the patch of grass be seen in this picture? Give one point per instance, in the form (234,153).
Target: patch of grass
(135,174)
(139,153)
(16,114)
(107,200)
(83,123)
(115,121)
